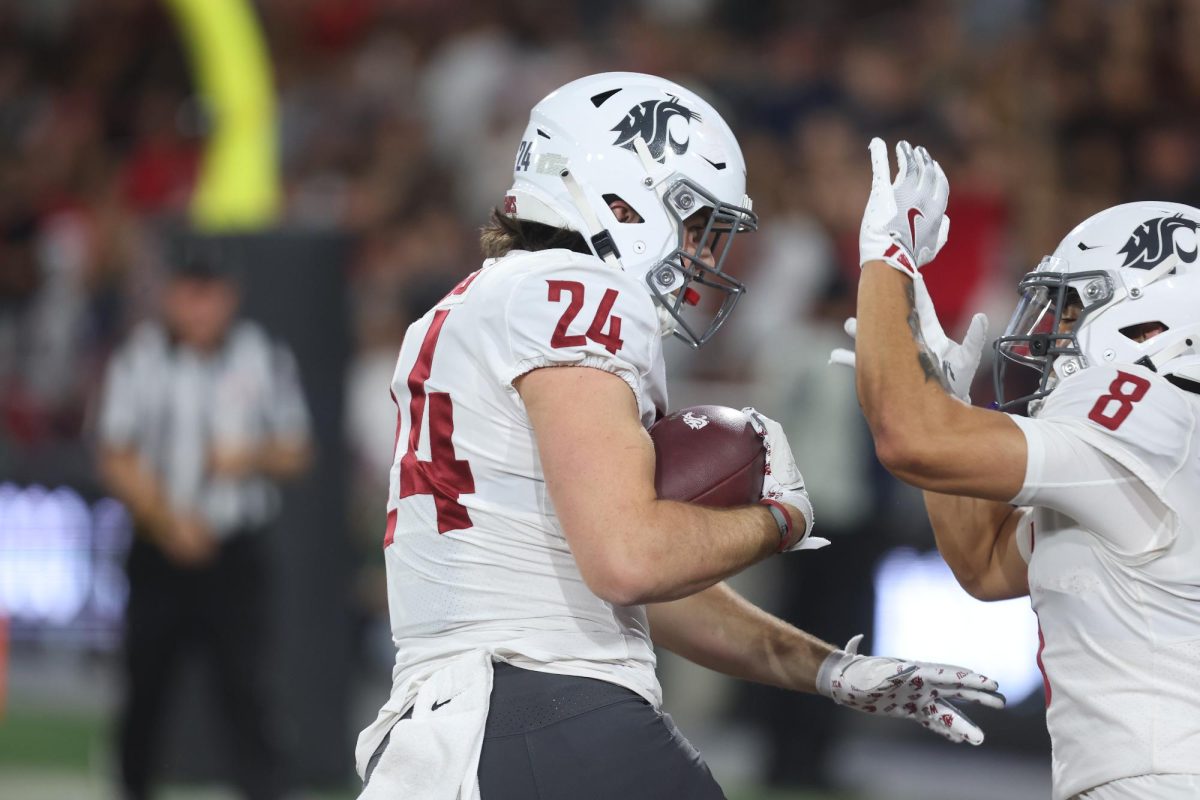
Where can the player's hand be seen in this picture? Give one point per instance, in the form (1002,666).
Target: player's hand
(190,542)
(905,222)
(915,690)
(225,461)
(959,362)
(783,483)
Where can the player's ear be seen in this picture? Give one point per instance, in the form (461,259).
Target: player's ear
(622,210)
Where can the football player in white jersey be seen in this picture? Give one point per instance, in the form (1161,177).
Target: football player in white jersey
(1091,504)
(523,527)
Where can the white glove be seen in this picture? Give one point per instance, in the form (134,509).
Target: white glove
(905,222)
(959,362)
(844,356)
(917,690)
(782,481)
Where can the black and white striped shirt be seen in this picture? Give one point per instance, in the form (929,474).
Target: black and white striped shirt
(174,404)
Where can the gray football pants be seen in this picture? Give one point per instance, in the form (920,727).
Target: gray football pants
(560,737)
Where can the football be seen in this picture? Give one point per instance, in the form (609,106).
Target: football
(708,455)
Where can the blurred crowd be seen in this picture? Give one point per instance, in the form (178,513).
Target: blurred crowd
(398,123)
(398,120)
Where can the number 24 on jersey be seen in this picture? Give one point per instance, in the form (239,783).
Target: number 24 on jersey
(445,476)
(610,339)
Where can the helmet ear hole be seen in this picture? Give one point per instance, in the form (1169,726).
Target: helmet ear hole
(622,210)
(1144,330)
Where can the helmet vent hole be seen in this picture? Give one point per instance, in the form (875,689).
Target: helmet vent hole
(598,99)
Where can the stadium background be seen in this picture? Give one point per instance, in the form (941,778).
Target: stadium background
(349,184)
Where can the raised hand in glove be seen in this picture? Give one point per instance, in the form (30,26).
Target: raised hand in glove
(905,222)
(959,362)
(783,483)
(915,690)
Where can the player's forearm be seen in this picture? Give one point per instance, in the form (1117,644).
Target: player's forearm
(975,538)
(900,386)
(719,629)
(898,382)
(280,459)
(965,529)
(695,546)
(664,550)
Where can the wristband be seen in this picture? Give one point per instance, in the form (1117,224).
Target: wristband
(782,518)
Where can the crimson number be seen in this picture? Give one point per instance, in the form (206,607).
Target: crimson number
(445,476)
(1125,390)
(611,338)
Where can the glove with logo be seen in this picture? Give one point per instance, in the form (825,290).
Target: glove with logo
(783,483)
(959,362)
(905,222)
(919,691)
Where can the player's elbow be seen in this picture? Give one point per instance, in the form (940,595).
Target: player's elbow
(990,588)
(980,577)
(980,590)
(903,451)
(621,593)
(618,579)
(972,582)
(617,586)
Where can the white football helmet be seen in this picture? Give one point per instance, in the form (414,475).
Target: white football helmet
(1122,270)
(665,152)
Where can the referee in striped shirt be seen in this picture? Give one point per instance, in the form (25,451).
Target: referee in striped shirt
(200,416)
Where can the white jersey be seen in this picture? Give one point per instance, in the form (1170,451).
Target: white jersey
(1113,545)
(476,558)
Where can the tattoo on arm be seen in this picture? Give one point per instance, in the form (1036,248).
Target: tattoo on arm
(928,362)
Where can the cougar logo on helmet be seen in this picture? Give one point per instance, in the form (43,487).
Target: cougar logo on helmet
(1154,240)
(649,121)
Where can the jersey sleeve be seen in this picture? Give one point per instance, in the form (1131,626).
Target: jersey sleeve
(287,414)
(580,315)
(117,412)
(119,418)
(1102,451)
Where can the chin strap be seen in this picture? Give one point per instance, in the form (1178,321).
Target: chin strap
(667,324)
(1165,355)
(598,235)
(651,166)
(1187,384)
(1134,290)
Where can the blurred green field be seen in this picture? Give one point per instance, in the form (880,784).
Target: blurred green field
(66,756)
